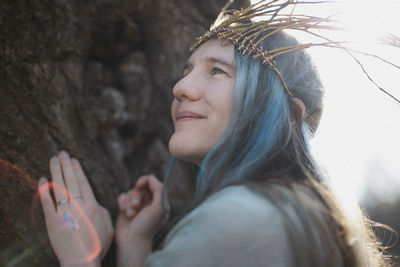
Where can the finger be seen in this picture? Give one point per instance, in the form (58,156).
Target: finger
(154,194)
(132,203)
(85,188)
(134,199)
(122,201)
(69,174)
(142,181)
(153,184)
(161,195)
(129,211)
(60,193)
(45,199)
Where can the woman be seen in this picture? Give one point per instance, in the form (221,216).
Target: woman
(259,199)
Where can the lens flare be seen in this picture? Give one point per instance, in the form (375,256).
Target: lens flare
(77,220)
(70,222)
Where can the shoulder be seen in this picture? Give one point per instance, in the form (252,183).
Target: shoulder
(236,205)
(231,227)
(235,208)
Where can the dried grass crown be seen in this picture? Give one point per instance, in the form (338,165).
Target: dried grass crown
(247,28)
(240,28)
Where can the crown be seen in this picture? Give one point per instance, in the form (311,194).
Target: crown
(248,27)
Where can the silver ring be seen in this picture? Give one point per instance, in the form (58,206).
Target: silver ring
(76,196)
(61,202)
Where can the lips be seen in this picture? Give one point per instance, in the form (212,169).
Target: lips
(187,115)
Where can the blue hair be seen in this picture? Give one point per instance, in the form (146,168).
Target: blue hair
(260,114)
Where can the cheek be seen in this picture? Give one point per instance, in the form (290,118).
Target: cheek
(224,104)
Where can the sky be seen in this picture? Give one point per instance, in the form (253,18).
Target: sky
(358,142)
(360,130)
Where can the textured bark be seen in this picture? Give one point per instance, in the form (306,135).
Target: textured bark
(93,78)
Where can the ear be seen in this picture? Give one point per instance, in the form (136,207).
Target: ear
(301,106)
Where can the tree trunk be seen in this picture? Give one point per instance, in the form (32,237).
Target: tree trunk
(93,78)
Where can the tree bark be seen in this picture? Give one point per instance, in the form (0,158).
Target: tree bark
(93,78)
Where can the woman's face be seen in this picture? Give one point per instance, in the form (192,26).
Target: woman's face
(203,100)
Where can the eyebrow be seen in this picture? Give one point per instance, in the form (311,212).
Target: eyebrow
(214,60)
(222,61)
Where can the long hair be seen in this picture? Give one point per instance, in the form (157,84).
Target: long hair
(265,147)
(266,132)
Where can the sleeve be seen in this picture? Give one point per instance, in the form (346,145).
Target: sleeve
(233,228)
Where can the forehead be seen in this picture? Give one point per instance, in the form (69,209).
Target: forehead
(213,49)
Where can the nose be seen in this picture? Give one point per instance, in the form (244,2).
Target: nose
(187,88)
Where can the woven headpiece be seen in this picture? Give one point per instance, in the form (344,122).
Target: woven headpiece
(248,27)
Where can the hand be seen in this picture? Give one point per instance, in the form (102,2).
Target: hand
(79,229)
(142,213)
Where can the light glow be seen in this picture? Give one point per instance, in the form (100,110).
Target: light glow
(360,127)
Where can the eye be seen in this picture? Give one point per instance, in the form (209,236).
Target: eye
(216,71)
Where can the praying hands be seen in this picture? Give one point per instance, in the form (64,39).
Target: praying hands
(80,229)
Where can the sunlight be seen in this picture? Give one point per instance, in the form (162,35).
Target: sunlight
(360,128)
(367,21)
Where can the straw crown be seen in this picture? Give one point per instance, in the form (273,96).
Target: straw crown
(248,27)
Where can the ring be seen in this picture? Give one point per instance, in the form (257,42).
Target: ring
(61,202)
(76,196)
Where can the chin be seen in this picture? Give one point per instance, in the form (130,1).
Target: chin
(185,149)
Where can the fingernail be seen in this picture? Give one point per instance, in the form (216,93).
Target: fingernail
(55,160)
(123,205)
(74,161)
(153,177)
(42,181)
(129,211)
(134,201)
(64,154)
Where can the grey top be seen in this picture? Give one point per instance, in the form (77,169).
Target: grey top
(234,227)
